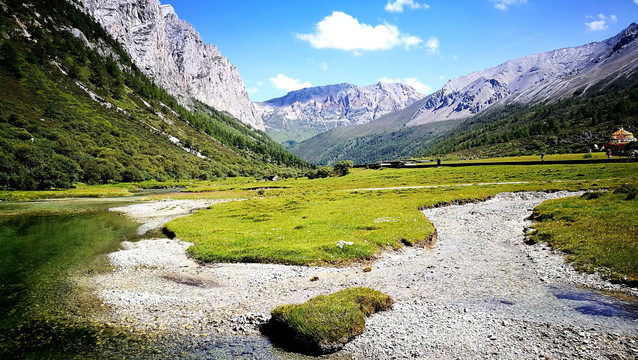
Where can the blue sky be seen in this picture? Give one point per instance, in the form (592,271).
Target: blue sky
(282,45)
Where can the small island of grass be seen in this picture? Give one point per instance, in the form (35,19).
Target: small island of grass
(324,324)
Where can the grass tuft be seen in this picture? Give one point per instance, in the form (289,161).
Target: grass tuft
(325,323)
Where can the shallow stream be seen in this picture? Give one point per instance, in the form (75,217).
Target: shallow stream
(43,314)
(45,246)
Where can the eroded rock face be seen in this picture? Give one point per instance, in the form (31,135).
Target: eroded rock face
(172,54)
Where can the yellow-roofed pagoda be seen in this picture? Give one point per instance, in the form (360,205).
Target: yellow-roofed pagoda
(621,136)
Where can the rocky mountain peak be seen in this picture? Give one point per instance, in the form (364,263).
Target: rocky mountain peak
(532,79)
(167,10)
(171,52)
(307,112)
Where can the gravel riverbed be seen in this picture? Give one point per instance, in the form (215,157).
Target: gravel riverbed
(479,293)
(153,215)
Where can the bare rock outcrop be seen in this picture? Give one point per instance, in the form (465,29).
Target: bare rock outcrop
(172,53)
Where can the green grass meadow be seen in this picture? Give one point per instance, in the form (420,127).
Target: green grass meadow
(597,231)
(341,220)
(336,221)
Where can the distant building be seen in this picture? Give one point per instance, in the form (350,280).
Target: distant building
(621,137)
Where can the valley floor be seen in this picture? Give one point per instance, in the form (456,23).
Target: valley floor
(480,292)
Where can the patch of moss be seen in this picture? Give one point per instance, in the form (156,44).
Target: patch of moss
(324,324)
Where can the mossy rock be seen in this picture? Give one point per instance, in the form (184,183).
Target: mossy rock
(324,324)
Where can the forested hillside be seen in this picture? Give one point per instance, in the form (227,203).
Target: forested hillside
(73,107)
(571,125)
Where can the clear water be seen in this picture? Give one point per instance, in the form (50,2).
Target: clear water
(43,314)
(596,303)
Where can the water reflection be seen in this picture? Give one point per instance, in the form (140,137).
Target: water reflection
(595,303)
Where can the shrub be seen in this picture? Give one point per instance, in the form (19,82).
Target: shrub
(342,168)
(630,189)
(324,172)
(591,195)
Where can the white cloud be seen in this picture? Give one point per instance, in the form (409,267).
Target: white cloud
(636,2)
(432,45)
(323,66)
(503,4)
(602,22)
(387,80)
(282,81)
(252,90)
(414,82)
(342,31)
(419,86)
(397,5)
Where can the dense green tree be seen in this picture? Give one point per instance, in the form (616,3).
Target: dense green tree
(10,60)
(343,168)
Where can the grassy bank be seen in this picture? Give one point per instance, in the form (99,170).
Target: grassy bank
(304,229)
(597,231)
(548,157)
(353,218)
(327,322)
(339,220)
(80,191)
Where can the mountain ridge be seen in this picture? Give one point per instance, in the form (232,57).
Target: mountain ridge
(310,111)
(172,53)
(530,80)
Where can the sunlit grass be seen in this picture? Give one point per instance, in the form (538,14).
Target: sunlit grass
(304,229)
(325,323)
(80,191)
(339,220)
(328,221)
(597,232)
(547,157)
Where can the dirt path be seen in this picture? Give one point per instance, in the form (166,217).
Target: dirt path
(480,293)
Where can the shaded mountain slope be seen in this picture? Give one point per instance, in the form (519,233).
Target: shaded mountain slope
(74,107)
(384,139)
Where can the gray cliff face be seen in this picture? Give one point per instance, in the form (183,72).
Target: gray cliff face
(533,79)
(172,54)
(307,112)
